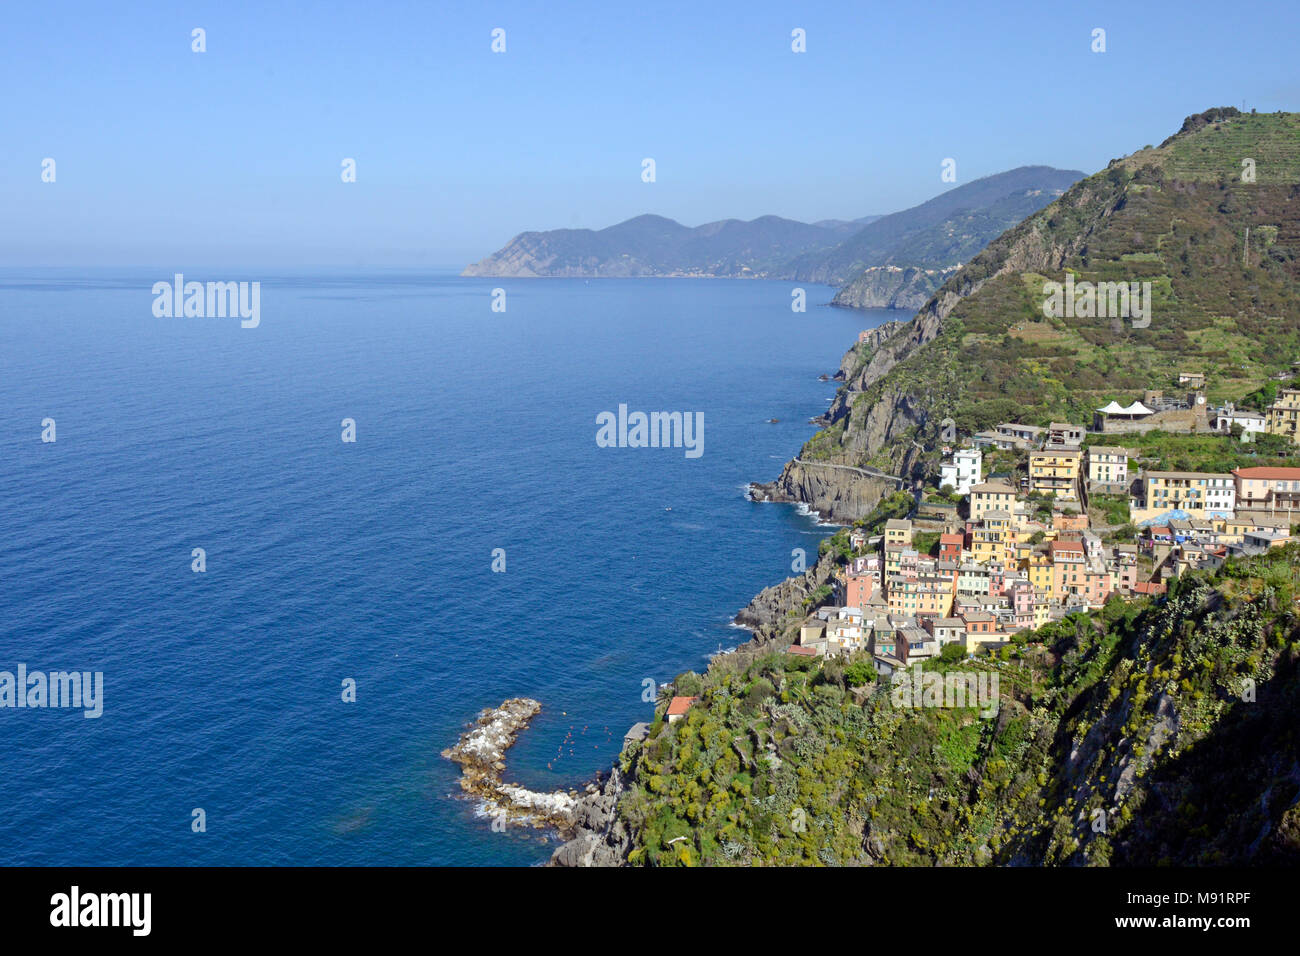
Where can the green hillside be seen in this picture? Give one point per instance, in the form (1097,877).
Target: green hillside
(1176,216)
(1140,734)
(941,232)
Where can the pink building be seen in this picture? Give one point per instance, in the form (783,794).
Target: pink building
(859,588)
(1022,603)
(1068,569)
(1268,489)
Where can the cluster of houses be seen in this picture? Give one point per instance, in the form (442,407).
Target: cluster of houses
(1061,469)
(1006,568)
(1260,495)
(1059,466)
(1000,573)
(1195,544)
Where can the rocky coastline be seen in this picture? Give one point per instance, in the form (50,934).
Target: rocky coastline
(481,753)
(892,287)
(588,823)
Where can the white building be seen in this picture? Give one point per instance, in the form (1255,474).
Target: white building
(1252,423)
(1221,495)
(963,471)
(1108,465)
(845,635)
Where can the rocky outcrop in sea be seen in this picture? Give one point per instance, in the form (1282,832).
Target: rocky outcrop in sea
(838,493)
(481,753)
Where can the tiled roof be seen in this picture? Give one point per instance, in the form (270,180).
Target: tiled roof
(1268,474)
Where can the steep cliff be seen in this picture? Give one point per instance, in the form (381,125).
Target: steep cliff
(776,611)
(892,287)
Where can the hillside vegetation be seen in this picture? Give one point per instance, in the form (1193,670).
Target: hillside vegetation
(1140,734)
(1177,216)
(945,231)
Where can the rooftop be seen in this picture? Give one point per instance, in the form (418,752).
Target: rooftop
(993,488)
(1268,474)
(1185,474)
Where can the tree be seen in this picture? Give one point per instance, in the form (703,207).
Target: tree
(689,684)
(860,673)
(953,652)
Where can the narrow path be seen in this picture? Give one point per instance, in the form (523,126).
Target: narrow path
(869,472)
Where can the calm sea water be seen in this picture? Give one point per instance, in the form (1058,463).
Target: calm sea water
(371,561)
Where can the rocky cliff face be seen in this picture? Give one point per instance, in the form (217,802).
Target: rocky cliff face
(890,287)
(838,494)
(599,837)
(768,615)
(524,256)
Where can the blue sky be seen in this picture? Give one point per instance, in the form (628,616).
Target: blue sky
(165,156)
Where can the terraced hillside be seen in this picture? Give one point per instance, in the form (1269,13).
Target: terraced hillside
(1222,256)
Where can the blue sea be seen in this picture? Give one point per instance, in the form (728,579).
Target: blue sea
(370,561)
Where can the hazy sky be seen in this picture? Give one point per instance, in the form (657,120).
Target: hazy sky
(169,157)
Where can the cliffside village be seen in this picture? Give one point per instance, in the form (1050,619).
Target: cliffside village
(1005,567)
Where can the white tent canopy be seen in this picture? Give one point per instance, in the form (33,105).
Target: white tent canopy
(1115,408)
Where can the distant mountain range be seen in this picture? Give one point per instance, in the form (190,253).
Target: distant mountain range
(896,260)
(655,246)
(942,232)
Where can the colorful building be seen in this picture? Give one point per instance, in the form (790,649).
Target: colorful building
(1055,473)
(1283,417)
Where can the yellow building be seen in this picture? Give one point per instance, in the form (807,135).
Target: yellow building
(991,496)
(1038,569)
(1042,609)
(1055,473)
(898,531)
(1233,531)
(1283,416)
(992,539)
(935,597)
(1197,494)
